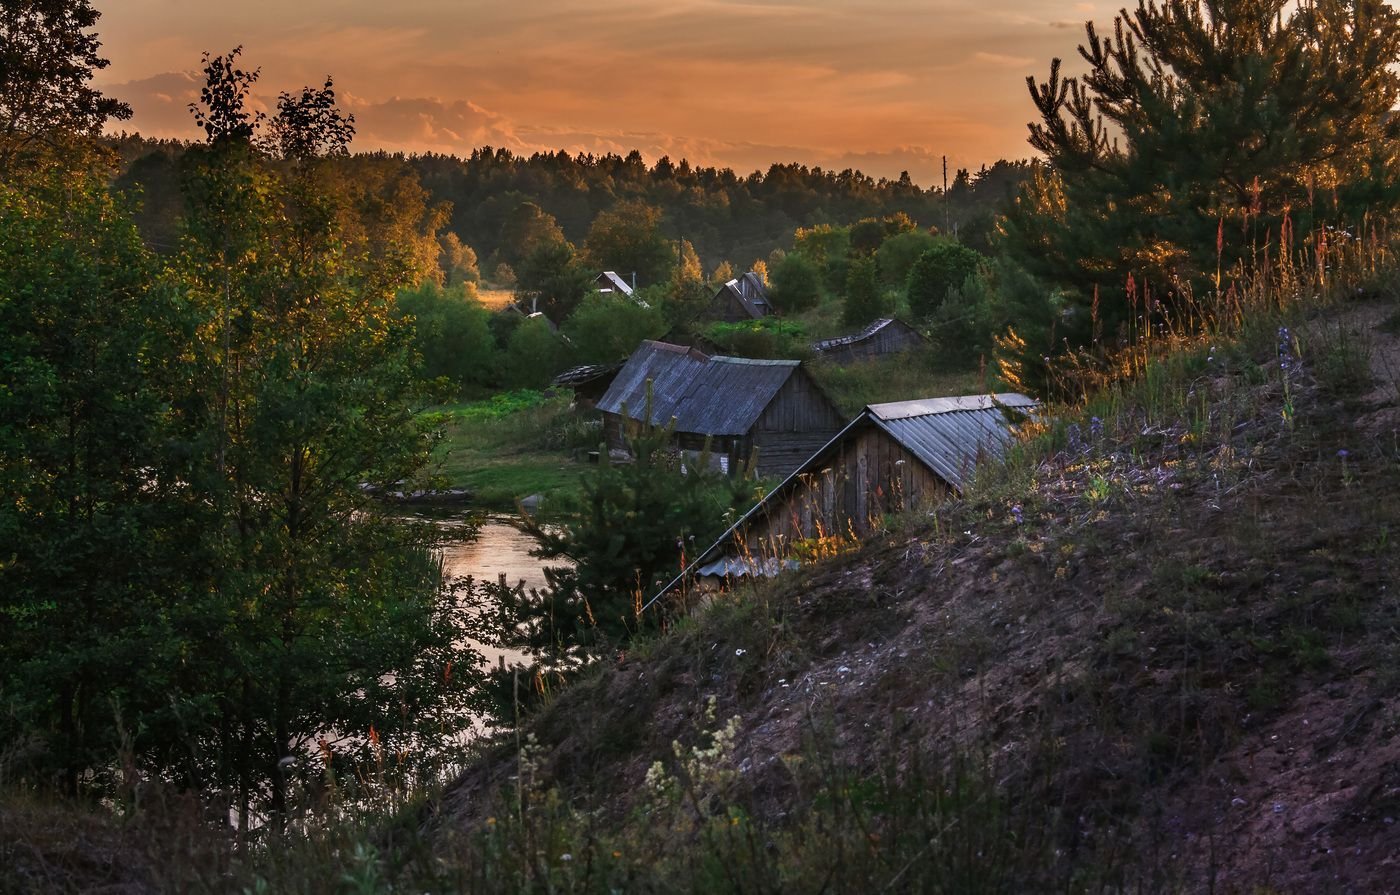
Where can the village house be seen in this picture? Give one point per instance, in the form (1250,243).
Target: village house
(742,298)
(891,457)
(883,337)
(739,405)
(610,282)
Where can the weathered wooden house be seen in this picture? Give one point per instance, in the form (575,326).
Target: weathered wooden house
(742,298)
(891,457)
(738,404)
(886,336)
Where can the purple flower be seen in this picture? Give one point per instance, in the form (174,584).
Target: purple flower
(1076,441)
(1343,453)
(1016,514)
(1095,428)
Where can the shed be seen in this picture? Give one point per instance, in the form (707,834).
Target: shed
(889,458)
(742,298)
(739,404)
(888,335)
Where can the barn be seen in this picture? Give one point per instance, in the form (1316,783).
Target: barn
(885,336)
(739,404)
(742,298)
(889,458)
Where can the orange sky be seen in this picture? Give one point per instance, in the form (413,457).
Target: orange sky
(882,85)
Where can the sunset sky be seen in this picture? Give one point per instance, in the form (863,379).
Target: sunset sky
(882,85)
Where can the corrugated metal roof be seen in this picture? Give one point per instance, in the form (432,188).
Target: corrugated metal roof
(951,434)
(706,395)
(671,369)
(872,329)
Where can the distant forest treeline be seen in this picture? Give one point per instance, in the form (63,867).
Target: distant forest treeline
(724,215)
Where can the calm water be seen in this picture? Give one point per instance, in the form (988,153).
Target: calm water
(498,547)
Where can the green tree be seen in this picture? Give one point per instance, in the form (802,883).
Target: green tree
(553,280)
(1202,133)
(627,238)
(313,610)
(87,342)
(865,300)
(795,286)
(451,333)
(608,328)
(527,229)
(897,255)
(939,270)
(534,354)
(47,58)
(637,523)
(457,261)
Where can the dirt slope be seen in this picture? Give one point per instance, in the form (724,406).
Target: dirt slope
(1180,629)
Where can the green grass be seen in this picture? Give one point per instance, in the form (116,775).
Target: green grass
(513,445)
(898,378)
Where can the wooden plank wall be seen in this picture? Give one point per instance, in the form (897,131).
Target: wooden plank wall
(799,422)
(868,476)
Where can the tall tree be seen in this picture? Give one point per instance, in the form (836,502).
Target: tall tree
(627,238)
(48,54)
(87,344)
(1202,133)
(865,300)
(319,613)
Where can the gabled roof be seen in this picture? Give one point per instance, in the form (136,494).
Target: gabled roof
(872,329)
(706,395)
(670,369)
(749,291)
(948,435)
(610,281)
(729,394)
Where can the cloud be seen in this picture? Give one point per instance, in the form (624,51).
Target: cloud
(419,124)
(1003,60)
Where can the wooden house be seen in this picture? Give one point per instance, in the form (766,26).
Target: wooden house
(883,337)
(742,298)
(739,405)
(891,457)
(610,282)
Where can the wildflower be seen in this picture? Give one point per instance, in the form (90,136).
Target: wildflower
(1076,441)
(1017,515)
(1286,360)
(1095,428)
(1343,453)
(566,857)
(740,651)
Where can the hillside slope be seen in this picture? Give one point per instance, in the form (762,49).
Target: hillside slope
(1163,652)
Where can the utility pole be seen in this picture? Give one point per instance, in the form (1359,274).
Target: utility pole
(946,225)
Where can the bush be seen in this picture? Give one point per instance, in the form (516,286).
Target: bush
(945,266)
(768,337)
(607,328)
(452,332)
(796,285)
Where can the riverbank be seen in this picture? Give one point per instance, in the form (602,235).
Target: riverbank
(511,446)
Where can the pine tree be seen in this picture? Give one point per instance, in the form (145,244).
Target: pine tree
(1202,133)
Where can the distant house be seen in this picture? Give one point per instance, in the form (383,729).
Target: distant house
(889,458)
(740,405)
(588,382)
(611,283)
(742,298)
(883,337)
